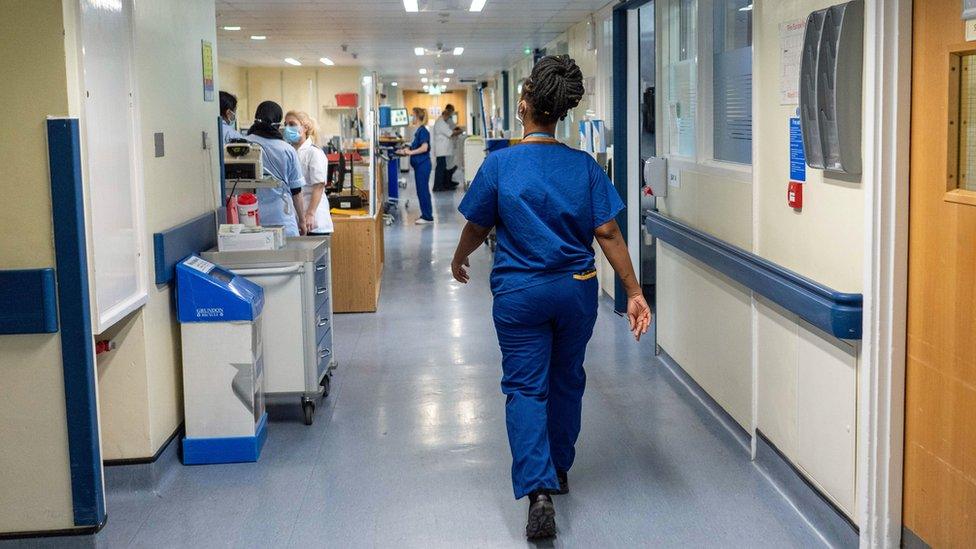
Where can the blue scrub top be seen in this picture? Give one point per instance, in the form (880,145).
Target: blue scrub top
(230,132)
(421,136)
(281,160)
(545,202)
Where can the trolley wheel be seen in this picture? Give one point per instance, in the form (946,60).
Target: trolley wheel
(326,384)
(308,410)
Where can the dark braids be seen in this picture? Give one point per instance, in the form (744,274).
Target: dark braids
(555,87)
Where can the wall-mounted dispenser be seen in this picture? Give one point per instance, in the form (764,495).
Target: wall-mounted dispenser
(830,87)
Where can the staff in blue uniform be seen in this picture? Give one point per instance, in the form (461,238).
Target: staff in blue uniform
(547,203)
(282,205)
(228,117)
(419,153)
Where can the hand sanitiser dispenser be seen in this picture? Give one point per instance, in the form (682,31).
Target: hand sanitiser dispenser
(223,366)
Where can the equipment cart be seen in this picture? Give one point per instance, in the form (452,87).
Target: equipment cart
(298,342)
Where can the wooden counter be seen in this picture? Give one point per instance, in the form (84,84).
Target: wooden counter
(357,263)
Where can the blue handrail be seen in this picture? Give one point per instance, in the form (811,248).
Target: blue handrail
(837,313)
(28,302)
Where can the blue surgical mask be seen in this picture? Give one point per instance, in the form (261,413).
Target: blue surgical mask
(291,134)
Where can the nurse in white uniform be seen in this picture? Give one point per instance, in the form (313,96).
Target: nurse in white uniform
(301,130)
(283,204)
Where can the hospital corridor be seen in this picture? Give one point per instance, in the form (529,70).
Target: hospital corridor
(488,274)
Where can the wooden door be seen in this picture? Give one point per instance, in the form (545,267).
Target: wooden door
(940,408)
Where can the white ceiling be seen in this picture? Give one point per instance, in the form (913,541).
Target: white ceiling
(384,35)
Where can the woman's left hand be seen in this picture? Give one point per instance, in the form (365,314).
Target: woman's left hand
(459,270)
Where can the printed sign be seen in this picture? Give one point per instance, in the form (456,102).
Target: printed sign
(798,161)
(791,47)
(199,264)
(206,49)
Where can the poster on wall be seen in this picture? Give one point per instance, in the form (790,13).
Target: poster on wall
(791,47)
(206,49)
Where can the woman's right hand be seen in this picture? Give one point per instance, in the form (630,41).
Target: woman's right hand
(639,315)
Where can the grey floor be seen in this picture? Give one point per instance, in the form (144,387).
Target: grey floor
(410,449)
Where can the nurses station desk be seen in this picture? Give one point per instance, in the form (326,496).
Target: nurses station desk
(357,253)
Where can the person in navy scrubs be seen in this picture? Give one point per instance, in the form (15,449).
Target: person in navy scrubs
(419,153)
(547,203)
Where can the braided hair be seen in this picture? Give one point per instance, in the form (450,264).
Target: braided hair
(554,87)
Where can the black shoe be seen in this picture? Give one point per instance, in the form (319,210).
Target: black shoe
(563,477)
(542,516)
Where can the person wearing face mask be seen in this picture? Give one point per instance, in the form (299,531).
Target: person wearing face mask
(228,117)
(301,131)
(283,204)
(419,153)
(445,130)
(548,203)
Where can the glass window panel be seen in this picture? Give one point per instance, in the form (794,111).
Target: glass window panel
(732,80)
(682,81)
(967,124)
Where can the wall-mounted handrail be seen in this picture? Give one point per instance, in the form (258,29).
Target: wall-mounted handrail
(175,244)
(28,302)
(837,313)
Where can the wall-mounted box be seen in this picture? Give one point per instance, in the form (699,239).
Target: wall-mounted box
(831,70)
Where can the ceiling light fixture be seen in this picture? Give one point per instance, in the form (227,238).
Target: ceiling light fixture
(426,88)
(446,80)
(458,50)
(411,6)
(423,71)
(258,37)
(424,80)
(418,51)
(292,61)
(528,51)
(746,8)
(394,84)
(449,71)
(478,5)
(327,61)
(229,28)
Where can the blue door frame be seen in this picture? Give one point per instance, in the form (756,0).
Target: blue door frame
(621,124)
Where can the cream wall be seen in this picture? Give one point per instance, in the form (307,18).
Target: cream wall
(312,89)
(722,334)
(140,384)
(35,482)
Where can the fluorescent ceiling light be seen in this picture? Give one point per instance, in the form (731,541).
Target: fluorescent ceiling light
(478,5)
(292,61)
(418,51)
(230,28)
(423,71)
(446,80)
(424,80)
(449,71)
(258,37)
(443,87)
(394,84)
(426,88)
(327,61)
(746,8)
(458,50)
(411,6)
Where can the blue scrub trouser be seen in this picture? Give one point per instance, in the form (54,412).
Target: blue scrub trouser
(543,331)
(421,176)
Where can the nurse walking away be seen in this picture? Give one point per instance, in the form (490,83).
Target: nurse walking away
(281,205)
(301,131)
(419,153)
(546,202)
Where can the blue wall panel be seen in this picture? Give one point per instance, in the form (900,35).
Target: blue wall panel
(28,302)
(76,333)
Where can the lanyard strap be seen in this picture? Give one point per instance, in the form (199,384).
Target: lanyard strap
(540,137)
(540,134)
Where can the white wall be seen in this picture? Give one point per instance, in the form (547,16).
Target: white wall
(140,383)
(35,481)
(719,332)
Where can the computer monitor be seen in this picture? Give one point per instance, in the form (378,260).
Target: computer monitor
(399,118)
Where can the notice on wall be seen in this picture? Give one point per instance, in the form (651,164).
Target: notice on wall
(798,161)
(791,50)
(206,50)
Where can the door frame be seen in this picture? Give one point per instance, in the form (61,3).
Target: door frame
(881,380)
(626,134)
